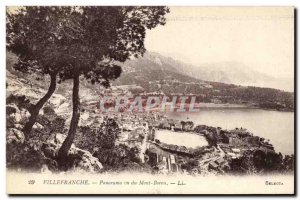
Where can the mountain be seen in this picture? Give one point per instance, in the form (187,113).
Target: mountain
(226,72)
(237,73)
(211,83)
(151,73)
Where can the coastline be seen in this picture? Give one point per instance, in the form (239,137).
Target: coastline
(241,106)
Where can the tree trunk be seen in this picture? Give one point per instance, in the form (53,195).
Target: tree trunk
(38,106)
(63,151)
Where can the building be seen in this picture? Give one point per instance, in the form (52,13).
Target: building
(220,161)
(213,165)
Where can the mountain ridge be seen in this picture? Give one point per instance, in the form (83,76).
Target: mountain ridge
(226,72)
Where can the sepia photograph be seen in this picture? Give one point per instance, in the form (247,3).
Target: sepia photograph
(151,100)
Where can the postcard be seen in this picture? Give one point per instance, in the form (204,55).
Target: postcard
(151,100)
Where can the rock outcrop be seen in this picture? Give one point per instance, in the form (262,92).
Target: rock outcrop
(14,135)
(83,160)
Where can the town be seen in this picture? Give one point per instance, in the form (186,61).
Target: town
(171,146)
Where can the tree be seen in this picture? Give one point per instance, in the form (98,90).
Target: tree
(183,123)
(189,125)
(103,138)
(33,35)
(288,163)
(99,39)
(108,133)
(259,161)
(70,42)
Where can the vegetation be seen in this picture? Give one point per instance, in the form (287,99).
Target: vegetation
(172,82)
(102,143)
(261,162)
(88,41)
(90,44)
(103,137)
(32,34)
(190,164)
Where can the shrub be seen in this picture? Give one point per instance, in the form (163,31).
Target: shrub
(48,110)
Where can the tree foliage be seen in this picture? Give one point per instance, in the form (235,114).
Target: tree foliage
(86,38)
(78,40)
(259,161)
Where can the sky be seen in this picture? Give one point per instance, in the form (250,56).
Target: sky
(261,38)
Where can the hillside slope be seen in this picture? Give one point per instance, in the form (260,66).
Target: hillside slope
(152,74)
(225,72)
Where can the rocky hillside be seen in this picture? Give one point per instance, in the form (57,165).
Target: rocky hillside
(37,151)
